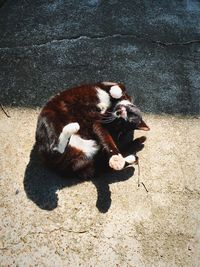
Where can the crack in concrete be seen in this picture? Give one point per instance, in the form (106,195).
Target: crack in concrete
(102,37)
(178,44)
(58,229)
(43,233)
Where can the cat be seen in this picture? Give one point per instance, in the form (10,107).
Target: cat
(80,124)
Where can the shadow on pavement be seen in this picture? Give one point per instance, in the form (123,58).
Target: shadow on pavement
(41,184)
(102,185)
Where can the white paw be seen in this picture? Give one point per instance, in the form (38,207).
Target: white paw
(71,128)
(130,159)
(116,91)
(117,162)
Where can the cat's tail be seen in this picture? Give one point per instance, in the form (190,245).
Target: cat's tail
(45,137)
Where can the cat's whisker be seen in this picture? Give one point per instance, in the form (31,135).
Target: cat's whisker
(111,112)
(105,119)
(111,115)
(107,114)
(109,120)
(106,122)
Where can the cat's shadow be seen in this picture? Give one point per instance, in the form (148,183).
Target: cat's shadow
(41,184)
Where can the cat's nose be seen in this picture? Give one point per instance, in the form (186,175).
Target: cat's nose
(123,112)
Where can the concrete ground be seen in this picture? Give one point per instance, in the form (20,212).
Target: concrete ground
(50,221)
(154,48)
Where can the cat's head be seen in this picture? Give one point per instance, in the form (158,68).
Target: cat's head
(122,111)
(129,116)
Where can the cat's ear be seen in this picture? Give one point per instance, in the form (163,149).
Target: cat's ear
(116,92)
(142,126)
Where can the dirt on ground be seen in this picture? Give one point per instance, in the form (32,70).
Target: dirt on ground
(47,220)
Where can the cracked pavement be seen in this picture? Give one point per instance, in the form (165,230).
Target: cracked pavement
(154,48)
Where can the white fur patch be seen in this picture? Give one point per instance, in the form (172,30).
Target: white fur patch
(130,159)
(66,133)
(89,147)
(124,103)
(116,92)
(108,83)
(104,100)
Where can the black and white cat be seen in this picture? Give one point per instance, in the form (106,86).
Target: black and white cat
(81,123)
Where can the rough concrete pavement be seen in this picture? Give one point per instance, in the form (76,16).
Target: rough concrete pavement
(154,48)
(50,221)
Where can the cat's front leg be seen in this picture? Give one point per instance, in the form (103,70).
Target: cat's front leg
(116,160)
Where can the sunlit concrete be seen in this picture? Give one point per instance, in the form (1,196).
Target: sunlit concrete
(47,221)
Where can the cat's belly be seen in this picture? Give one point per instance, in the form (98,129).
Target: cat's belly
(88,147)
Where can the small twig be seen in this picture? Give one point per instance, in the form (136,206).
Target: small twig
(138,172)
(144,187)
(139,177)
(4,111)
(77,232)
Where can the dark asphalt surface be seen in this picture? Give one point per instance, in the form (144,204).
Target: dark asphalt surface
(151,46)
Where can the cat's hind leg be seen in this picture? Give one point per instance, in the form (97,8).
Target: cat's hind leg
(64,138)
